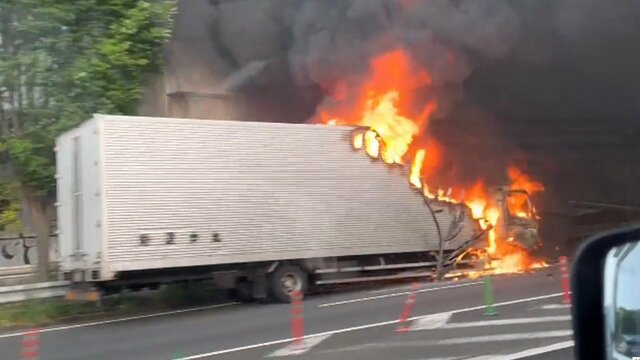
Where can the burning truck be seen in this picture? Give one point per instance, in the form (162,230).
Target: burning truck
(267,208)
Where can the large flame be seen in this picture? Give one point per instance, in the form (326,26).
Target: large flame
(416,169)
(519,205)
(520,180)
(476,199)
(491,215)
(381,115)
(382,108)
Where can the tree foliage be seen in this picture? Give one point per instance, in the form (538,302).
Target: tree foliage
(10,206)
(61,61)
(628,321)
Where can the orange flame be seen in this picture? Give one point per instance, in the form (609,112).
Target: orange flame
(477,200)
(518,205)
(385,98)
(491,216)
(371,144)
(358,140)
(381,115)
(416,169)
(520,180)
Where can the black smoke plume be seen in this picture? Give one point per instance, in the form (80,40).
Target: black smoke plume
(549,85)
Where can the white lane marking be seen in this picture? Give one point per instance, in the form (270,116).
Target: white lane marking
(396,294)
(397,288)
(361,327)
(528,352)
(407,287)
(457,341)
(385,346)
(297,349)
(555,306)
(429,323)
(501,337)
(241,348)
(111,321)
(480,307)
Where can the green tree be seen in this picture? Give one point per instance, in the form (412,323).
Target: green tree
(10,206)
(61,61)
(628,321)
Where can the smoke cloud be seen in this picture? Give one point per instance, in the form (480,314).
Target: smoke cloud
(549,84)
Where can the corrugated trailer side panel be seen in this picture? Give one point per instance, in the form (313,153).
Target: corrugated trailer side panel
(79,205)
(198,192)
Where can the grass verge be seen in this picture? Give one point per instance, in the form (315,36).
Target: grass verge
(41,312)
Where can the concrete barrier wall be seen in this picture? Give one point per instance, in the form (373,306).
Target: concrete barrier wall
(22,250)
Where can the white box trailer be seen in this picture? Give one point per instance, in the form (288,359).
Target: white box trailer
(142,198)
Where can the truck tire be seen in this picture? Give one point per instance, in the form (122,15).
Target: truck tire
(287,279)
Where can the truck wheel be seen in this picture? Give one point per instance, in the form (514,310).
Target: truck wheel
(287,279)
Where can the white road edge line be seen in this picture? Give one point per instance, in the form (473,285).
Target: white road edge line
(297,349)
(361,327)
(528,352)
(430,323)
(111,321)
(397,294)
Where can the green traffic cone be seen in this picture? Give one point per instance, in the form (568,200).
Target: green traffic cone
(488,298)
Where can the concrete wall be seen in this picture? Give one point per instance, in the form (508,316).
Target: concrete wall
(191,81)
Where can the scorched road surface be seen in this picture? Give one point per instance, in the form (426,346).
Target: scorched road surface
(350,325)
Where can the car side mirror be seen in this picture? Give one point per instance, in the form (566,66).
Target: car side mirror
(606,296)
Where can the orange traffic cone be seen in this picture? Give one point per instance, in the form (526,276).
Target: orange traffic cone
(408,308)
(30,345)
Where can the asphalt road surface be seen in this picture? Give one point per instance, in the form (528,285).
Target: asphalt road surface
(447,321)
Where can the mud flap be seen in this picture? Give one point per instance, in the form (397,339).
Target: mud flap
(81,290)
(83,295)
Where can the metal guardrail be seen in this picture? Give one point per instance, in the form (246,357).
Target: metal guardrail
(33,291)
(16,271)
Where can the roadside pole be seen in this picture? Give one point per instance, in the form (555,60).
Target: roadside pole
(566,297)
(488,297)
